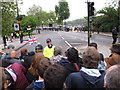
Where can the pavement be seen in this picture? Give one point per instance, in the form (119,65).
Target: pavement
(16,42)
(18,45)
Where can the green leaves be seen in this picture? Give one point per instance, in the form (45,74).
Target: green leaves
(8,16)
(62,10)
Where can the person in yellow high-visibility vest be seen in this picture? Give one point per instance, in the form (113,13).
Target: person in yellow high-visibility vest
(49,49)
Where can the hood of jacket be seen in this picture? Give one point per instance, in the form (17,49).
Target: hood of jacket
(92,77)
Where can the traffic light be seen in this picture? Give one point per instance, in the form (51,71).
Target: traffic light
(91,8)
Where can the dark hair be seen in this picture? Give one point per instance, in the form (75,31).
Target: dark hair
(11,47)
(115,48)
(93,44)
(24,51)
(90,57)
(112,78)
(43,65)
(72,55)
(57,50)
(54,77)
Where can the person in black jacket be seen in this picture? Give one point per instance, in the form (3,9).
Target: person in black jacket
(73,62)
(114,35)
(89,76)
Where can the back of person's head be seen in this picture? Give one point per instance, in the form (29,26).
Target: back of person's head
(31,53)
(112,78)
(93,44)
(72,55)
(54,77)
(38,48)
(115,48)
(3,82)
(13,54)
(57,50)
(35,62)
(43,65)
(11,47)
(24,51)
(90,57)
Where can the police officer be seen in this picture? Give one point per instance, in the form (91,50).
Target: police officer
(49,49)
(114,35)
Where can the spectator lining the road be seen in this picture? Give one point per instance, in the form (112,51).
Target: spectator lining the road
(24,53)
(101,65)
(28,59)
(89,76)
(54,77)
(32,73)
(112,78)
(9,49)
(57,55)
(73,62)
(39,48)
(12,59)
(43,65)
(21,81)
(49,49)
(114,57)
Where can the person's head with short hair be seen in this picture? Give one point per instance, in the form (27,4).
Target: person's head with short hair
(43,65)
(24,51)
(90,58)
(112,77)
(11,47)
(115,49)
(35,62)
(93,44)
(72,55)
(54,77)
(58,50)
(13,54)
(38,48)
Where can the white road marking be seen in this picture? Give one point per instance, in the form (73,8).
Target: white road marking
(68,44)
(62,38)
(65,41)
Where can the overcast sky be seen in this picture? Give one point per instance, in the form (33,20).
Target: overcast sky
(78,8)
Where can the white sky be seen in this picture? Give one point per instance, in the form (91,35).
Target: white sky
(78,8)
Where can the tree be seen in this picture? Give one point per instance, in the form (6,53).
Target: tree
(8,16)
(62,11)
(109,18)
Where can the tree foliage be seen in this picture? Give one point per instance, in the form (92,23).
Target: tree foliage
(62,11)
(108,20)
(37,17)
(77,22)
(8,16)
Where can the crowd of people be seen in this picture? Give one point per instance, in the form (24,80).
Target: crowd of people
(47,68)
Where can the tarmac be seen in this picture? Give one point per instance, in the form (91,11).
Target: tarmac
(18,45)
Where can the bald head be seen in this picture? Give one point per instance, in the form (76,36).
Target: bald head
(13,54)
